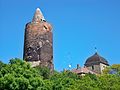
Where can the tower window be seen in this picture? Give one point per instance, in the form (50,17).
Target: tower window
(45,27)
(92,67)
(44,20)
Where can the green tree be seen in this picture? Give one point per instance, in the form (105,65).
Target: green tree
(114,68)
(19,75)
(109,82)
(43,71)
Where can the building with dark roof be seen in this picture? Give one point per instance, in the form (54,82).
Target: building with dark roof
(96,63)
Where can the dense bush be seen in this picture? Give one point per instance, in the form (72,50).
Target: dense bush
(19,75)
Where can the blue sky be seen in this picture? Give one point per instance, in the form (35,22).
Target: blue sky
(78,26)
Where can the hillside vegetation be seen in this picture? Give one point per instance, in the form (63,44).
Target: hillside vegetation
(19,75)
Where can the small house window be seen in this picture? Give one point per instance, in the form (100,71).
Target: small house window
(92,67)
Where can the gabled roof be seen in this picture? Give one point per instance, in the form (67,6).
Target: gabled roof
(83,70)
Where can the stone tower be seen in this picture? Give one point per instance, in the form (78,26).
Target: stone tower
(38,42)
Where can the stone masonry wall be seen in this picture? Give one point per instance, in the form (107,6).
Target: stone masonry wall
(38,44)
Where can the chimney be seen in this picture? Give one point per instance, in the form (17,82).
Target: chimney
(78,66)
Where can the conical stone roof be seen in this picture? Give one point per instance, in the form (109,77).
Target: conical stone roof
(38,16)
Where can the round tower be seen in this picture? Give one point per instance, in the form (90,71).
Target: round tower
(38,42)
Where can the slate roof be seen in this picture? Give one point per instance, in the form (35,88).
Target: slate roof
(95,59)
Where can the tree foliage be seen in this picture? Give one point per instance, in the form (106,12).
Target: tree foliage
(19,75)
(113,69)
